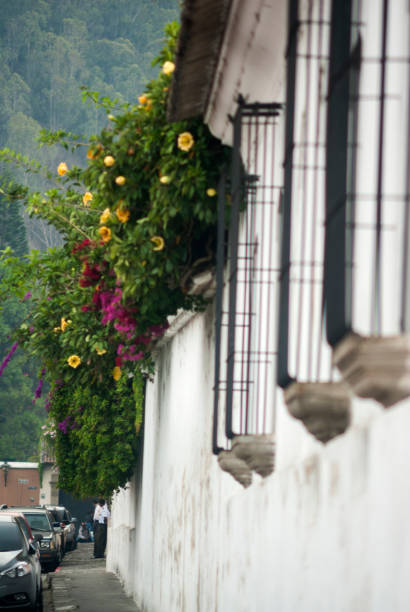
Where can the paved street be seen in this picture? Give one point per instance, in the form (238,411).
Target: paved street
(81,583)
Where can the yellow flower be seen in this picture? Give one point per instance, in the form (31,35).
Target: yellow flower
(105,216)
(87,197)
(62,169)
(159,243)
(100,351)
(56,329)
(109,161)
(105,233)
(94,152)
(64,323)
(164,179)
(143,99)
(185,141)
(111,117)
(123,214)
(168,68)
(120,180)
(211,192)
(74,361)
(116,373)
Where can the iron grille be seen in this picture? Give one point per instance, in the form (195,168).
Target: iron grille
(245,359)
(368,171)
(303,352)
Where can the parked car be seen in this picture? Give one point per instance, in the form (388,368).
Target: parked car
(63,517)
(50,541)
(25,527)
(20,570)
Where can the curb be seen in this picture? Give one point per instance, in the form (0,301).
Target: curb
(60,589)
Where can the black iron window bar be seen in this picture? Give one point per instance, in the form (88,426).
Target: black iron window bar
(305,371)
(367,288)
(245,338)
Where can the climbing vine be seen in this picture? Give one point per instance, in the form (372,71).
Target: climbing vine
(138,221)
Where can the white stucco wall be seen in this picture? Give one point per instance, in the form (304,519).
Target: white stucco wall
(327,531)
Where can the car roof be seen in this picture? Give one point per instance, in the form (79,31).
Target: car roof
(7,518)
(23,509)
(19,515)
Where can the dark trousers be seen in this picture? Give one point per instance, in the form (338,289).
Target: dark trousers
(95,529)
(100,540)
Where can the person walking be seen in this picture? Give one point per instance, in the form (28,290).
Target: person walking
(101,537)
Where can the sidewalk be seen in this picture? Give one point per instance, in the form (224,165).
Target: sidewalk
(81,583)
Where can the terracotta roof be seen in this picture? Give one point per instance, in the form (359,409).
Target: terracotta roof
(203,25)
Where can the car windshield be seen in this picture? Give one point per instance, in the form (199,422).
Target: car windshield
(10,537)
(38,522)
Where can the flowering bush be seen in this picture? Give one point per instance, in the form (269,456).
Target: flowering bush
(138,221)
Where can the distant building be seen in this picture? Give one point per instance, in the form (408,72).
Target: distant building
(49,491)
(19,483)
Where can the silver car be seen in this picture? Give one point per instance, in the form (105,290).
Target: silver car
(20,570)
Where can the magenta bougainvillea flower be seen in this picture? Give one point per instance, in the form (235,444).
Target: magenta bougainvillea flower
(7,358)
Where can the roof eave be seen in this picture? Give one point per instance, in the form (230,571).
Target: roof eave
(203,24)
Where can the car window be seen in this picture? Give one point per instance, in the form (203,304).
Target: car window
(60,515)
(11,537)
(38,521)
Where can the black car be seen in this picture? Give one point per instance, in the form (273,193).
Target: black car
(41,524)
(20,571)
(67,523)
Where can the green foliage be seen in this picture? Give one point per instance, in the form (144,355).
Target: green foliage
(12,230)
(49,49)
(137,223)
(96,442)
(20,419)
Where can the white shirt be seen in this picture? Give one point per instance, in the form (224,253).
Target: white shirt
(104,514)
(97,512)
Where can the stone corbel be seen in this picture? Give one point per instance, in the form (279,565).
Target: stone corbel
(203,284)
(323,407)
(237,468)
(375,367)
(258,452)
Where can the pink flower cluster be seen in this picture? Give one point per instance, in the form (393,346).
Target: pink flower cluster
(128,353)
(57,384)
(79,246)
(7,358)
(68,423)
(91,274)
(113,311)
(37,392)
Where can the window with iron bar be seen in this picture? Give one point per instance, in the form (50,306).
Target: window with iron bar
(247,278)
(368,155)
(303,352)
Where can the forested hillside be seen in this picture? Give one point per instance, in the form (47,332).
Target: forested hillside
(51,51)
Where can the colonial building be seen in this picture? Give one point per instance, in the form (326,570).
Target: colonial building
(19,483)
(275,467)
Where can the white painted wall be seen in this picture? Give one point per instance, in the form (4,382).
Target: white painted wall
(329,529)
